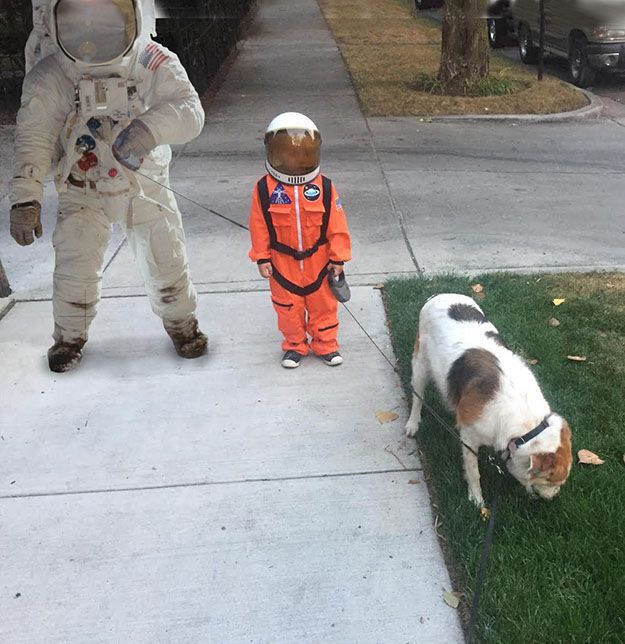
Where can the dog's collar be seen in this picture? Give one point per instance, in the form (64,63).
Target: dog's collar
(514,444)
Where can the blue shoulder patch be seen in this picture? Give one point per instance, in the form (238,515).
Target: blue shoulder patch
(279,196)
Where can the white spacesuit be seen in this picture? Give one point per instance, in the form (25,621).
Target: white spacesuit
(106,103)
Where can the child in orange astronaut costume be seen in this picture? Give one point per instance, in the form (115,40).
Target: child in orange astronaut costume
(299,235)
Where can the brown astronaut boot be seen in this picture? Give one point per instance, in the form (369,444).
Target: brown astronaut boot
(188,340)
(65,356)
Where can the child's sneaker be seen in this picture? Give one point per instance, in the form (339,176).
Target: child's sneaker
(291,359)
(333,359)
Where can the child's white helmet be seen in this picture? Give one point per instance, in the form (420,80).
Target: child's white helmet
(293,148)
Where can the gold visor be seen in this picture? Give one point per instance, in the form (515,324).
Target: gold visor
(293,151)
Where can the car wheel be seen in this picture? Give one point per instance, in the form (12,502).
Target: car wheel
(497,32)
(580,72)
(527,51)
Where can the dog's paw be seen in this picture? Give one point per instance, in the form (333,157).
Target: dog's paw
(411,429)
(478,501)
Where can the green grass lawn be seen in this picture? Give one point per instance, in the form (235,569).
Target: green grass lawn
(557,569)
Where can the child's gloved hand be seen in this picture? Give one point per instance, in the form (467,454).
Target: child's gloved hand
(265,269)
(335,269)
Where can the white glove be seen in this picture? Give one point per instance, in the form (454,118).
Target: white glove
(133,143)
(26,219)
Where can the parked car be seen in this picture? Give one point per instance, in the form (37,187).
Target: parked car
(499,20)
(589,34)
(500,23)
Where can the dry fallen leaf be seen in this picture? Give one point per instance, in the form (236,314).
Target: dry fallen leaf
(477,288)
(380,287)
(485,513)
(588,457)
(559,300)
(577,358)
(532,361)
(451,599)
(386,416)
(413,481)
(554,322)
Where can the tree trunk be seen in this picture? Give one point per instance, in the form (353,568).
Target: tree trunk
(465,54)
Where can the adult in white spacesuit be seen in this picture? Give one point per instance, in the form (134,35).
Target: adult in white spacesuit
(108,102)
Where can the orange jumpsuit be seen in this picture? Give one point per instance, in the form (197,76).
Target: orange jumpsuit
(300,229)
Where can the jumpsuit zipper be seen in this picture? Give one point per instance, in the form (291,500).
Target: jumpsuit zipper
(299,227)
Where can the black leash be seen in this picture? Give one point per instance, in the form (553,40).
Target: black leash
(199,205)
(425,404)
(486,547)
(488,539)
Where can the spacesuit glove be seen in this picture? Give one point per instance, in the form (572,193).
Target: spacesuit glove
(26,219)
(133,143)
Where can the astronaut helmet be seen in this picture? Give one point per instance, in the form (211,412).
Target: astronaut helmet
(293,148)
(96,32)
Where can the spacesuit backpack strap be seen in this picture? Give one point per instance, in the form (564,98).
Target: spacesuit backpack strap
(326,191)
(264,199)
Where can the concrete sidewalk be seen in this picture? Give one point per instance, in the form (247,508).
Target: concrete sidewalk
(148,499)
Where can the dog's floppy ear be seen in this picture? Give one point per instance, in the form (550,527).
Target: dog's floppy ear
(552,466)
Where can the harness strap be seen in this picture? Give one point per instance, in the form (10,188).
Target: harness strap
(263,196)
(300,290)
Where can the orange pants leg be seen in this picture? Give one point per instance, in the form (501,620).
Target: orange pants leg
(323,321)
(291,311)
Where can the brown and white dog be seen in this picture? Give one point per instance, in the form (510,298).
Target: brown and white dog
(494,395)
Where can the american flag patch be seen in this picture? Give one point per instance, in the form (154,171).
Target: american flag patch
(152,57)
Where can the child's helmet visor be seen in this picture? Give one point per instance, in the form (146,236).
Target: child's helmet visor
(293,151)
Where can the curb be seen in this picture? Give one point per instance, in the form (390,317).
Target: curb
(524,270)
(594,109)
(6,304)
